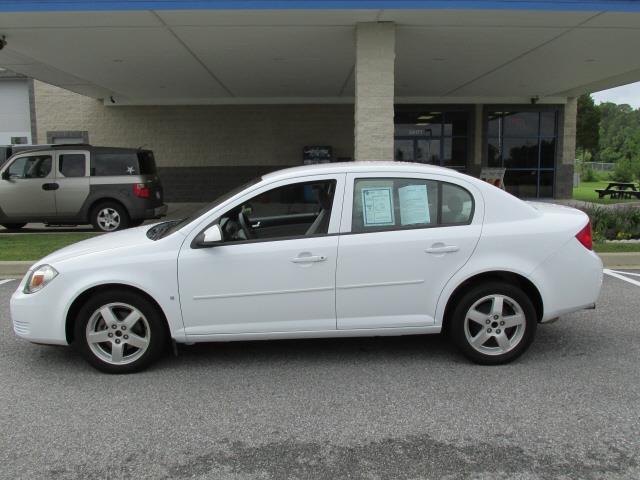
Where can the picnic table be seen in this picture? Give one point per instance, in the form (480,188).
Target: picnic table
(619,190)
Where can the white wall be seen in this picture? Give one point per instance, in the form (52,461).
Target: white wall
(15,118)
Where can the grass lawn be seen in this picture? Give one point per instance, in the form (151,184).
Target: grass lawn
(586,192)
(616,247)
(33,246)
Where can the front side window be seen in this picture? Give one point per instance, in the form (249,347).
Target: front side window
(72,165)
(37,166)
(300,209)
(399,203)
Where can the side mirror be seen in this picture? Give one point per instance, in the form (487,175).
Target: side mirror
(211,237)
(6,175)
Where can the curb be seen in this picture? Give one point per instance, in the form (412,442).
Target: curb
(621,260)
(610,260)
(14,269)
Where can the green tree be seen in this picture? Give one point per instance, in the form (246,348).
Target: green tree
(588,126)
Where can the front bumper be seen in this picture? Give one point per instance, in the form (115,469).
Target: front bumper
(33,317)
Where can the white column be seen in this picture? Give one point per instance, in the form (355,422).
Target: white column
(374,76)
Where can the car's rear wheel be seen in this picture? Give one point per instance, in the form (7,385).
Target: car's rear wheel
(494,323)
(109,217)
(13,226)
(119,331)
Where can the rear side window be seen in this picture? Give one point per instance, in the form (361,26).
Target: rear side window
(457,205)
(72,165)
(114,164)
(37,166)
(147,162)
(399,203)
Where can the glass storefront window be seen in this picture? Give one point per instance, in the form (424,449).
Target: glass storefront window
(525,144)
(426,136)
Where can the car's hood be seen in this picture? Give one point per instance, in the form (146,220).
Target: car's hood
(101,243)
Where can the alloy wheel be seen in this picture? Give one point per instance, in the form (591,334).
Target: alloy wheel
(108,219)
(118,333)
(494,325)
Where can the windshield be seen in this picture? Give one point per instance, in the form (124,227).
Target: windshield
(167,228)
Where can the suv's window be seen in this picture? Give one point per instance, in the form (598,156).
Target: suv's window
(147,162)
(396,203)
(37,166)
(72,165)
(289,211)
(113,164)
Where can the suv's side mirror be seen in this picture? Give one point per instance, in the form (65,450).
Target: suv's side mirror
(211,237)
(6,175)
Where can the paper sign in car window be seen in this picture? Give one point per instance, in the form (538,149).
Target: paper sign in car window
(377,206)
(414,205)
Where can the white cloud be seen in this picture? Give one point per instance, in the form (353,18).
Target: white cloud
(629,94)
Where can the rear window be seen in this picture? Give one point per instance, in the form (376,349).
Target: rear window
(147,162)
(123,163)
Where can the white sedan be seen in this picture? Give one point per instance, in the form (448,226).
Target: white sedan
(334,250)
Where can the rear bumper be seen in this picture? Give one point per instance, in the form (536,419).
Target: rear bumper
(157,212)
(569,281)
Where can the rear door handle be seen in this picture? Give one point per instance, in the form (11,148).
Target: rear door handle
(442,249)
(309,259)
(50,186)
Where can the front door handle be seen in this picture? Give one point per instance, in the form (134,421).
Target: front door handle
(50,186)
(441,248)
(309,259)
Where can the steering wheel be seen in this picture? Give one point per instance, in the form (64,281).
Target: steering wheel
(246,225)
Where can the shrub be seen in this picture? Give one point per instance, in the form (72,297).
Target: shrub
(623,171)
(611,223)
(589,175)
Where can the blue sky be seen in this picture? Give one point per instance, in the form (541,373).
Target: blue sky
(626,94)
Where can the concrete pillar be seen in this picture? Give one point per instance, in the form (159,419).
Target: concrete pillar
(374,77)
(567,154)
(478,142)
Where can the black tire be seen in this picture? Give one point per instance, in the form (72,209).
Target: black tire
(137,359)
(521,339)
(122,214)
(13,226)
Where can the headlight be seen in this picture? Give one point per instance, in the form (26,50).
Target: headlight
(39,278)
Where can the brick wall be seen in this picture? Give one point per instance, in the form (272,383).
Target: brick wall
(258,138)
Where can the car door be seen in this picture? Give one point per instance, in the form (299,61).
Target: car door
(282,279)
(27,188)
(72,178)
(402,238)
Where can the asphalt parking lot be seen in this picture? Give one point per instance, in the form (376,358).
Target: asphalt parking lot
(399,408)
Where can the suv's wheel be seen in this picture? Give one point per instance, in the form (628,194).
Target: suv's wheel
(109,217)
(13,226)
(119,332)
(494,323)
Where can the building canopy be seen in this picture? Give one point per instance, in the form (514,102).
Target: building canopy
(168,52)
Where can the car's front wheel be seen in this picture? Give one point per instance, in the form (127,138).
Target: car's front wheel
(119,331)
(494,323)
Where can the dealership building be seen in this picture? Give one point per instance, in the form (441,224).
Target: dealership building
(223,91)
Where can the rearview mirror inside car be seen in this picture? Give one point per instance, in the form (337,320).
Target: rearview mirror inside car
(210,237)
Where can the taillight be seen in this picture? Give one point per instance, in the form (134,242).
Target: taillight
(584,237)
(141,190)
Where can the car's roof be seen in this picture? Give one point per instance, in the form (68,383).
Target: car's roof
(358,167)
